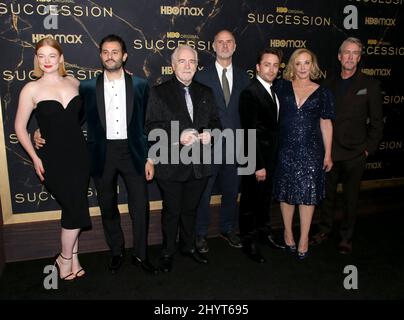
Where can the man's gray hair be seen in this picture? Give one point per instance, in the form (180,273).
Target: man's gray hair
(182,47)
(351,40)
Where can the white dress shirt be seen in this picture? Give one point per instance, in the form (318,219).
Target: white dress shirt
(115,108)
(267,87)
(229,74)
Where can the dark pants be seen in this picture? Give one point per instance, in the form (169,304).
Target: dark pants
(226,175)
(180,203)
(349,173)
(255,205)
(118,161)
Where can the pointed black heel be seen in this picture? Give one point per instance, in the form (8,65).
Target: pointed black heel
(57,266)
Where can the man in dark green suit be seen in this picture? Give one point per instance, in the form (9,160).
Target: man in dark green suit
(115,105)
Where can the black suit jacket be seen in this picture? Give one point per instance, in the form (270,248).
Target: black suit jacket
(92,92)
(258,111)
(351,133)
(167,104)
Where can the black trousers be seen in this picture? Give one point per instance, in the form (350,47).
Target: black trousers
(349,173)
(255,205)
(180,204)
(118,161)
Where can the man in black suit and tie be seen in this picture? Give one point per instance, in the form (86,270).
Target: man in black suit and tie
(226,81)
(358,99)
(259,110)
(115,105)
(190,106)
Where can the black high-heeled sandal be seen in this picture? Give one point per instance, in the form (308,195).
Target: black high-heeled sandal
(302,255)
(57,266)
(78,274)
(290,249)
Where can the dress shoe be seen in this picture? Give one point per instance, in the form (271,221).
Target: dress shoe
(318,238)
(345,247)
(166,264)
(146,265)
(196,256)
(273,242)
(233,239)
(115,263)
(252,252)
(201,244)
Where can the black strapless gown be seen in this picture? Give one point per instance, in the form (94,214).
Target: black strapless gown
(65,159)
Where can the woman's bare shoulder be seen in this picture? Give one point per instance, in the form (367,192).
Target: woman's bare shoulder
(72,80)
(30,88)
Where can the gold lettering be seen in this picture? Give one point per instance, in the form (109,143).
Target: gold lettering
(384,50)
(288,19)
(3,8)
(170,44)
(390,145)
(20,75)
(19,198)
(13,138)
(137,44)
(373,165)
(393,99)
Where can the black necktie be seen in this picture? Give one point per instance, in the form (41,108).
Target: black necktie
(274,99)
(273,96)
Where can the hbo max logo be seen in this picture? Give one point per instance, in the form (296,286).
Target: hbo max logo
(181,11)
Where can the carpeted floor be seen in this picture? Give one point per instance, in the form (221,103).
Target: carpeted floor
(231,276)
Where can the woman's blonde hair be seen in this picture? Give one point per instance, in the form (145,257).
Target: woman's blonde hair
(288,73)
(55,45)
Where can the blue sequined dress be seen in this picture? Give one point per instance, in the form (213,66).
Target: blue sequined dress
(299,177)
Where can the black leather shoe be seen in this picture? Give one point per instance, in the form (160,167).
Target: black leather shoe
(318,239)
(267,238)
(146,265)
(252,252)
(115,263)
(166,264)
(196,256)
(274,243)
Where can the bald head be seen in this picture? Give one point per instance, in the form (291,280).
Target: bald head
(224,45)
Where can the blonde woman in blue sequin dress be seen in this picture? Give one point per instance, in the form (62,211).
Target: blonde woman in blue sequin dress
(305,136)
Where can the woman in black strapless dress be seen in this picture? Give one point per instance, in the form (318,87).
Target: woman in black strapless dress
(62,164)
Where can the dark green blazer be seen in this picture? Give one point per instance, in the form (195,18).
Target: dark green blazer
(137,91)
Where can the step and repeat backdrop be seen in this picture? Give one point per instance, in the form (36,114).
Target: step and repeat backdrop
(153,29)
